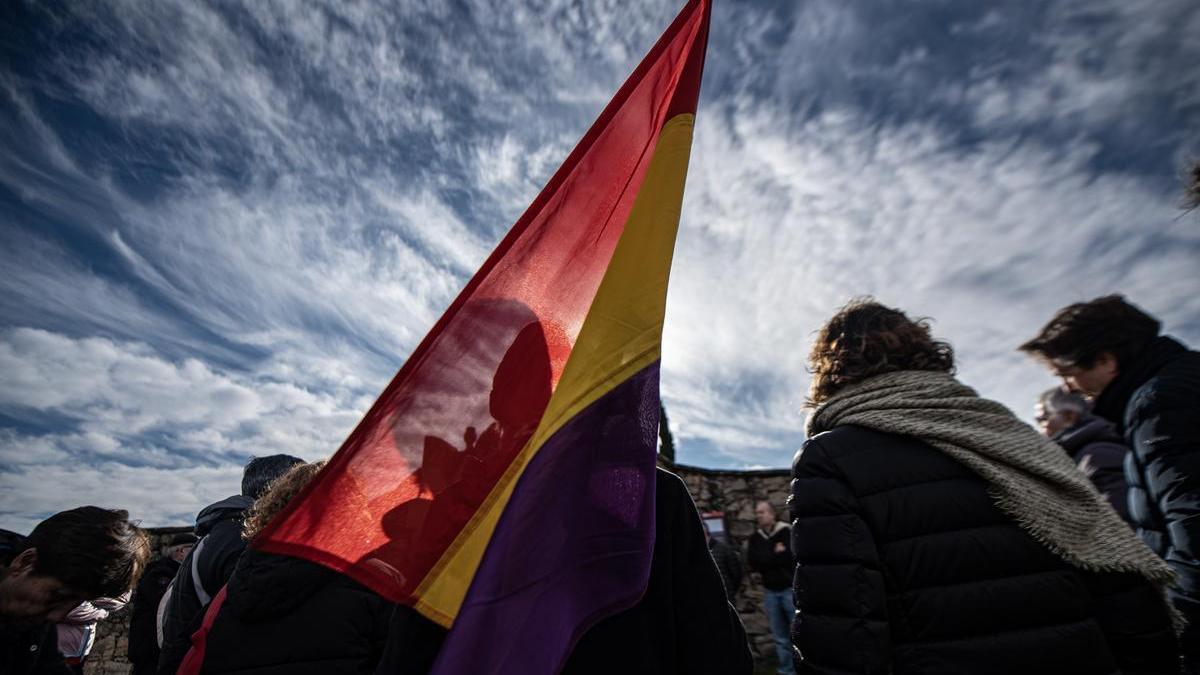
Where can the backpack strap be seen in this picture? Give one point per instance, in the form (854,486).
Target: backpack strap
(201,592)
(161,612)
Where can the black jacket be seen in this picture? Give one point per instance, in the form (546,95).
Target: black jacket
(1155,402)
(905,565)
(220,528)
(683,623)
(26,647)
(293,617)
(775,567)
(143,619)
(30,648)
(1099,451)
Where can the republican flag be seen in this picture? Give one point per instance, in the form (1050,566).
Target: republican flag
(503,483)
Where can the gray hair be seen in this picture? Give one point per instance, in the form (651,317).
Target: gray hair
(1060,399)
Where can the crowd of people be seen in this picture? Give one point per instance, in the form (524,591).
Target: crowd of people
(931,531)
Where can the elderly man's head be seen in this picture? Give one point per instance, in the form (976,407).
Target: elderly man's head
(764,513)
(179,546)
(1059,409)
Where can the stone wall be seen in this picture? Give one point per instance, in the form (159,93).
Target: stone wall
(736,493)
(733,492)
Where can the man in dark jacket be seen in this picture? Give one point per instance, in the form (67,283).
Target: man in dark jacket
(769,553)
(69,558)
(728,563)
(210,564)
(1092,442)
(683,623)
(1148,385)
(143,622)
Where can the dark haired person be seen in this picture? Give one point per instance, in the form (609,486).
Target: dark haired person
(1093,443)
(937,533)
(208,566)
(143,622)
(1148,385)
(69,558)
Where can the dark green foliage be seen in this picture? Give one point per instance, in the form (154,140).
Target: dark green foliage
(666,440)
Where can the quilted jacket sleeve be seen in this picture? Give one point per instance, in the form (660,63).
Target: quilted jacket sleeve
(1165,437)
(841,622)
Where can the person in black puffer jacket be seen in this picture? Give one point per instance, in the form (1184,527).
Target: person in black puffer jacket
(143,619)
(1148,385)
(286,615)
(937,534)
(1093,443)
(210,563)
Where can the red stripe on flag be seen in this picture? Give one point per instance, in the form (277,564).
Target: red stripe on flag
(428,452)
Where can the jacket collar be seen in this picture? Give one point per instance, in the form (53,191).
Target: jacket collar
(1115,398)
(779,525)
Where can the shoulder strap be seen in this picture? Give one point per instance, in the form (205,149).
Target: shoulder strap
(161,612)
(201,592)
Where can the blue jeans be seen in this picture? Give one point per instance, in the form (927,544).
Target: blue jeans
(780,610)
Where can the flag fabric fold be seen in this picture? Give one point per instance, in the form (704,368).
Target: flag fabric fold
(503,483)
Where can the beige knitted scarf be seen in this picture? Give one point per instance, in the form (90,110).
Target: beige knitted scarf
(1029,478)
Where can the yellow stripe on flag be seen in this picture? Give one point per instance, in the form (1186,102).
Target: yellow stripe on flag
(621,335)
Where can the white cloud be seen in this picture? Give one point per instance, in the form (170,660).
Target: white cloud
(155,496)
(782,227)
(274,202)
(125,387)
(1094,58)
(120,410)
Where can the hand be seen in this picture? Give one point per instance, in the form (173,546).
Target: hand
(779,547)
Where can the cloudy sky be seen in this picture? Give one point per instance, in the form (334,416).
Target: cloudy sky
(223,226)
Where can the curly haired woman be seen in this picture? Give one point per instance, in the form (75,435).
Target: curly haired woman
(936,533)
(280,614)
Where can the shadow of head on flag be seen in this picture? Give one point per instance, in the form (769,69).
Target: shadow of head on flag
(503,483)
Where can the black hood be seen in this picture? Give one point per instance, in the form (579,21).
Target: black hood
(1090,430)
(266,585)
(226,509)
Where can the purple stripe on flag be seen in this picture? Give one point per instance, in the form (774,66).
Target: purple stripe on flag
(573,545)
